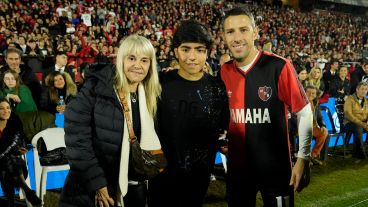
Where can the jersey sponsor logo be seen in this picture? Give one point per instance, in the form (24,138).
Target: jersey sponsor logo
(250,116)
(264,93)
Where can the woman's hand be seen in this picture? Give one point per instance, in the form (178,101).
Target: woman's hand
(366,126)
(60,109)
(14,97)
(102,198)
(22,150)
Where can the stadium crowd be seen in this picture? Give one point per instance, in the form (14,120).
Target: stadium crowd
(90,31)
(75,34)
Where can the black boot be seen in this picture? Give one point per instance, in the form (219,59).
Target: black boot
(30,194)
(33,198)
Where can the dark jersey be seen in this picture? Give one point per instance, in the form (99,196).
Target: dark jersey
(191,114)
(258,133)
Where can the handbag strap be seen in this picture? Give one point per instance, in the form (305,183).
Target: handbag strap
(124,103)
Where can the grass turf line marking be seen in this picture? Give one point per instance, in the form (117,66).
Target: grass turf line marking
(359,203)
(342,197)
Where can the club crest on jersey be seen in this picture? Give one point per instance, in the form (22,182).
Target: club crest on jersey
(264,93)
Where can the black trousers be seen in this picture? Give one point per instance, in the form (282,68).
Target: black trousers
(179,189)
(358,146)
(11,167)
(136,195)
(243,193)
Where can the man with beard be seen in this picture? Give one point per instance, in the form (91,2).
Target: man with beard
(260,87)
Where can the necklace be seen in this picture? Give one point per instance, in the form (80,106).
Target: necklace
(133,97)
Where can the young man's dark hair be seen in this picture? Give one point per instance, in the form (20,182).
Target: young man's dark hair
(194,32)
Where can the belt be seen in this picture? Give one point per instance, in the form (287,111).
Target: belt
(134,182)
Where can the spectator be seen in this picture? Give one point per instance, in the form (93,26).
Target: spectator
(321,62)
(13,60)
(19,96)
(330,74)
(61,61)
(302,75)
(22,44)
(58,85)
(35,57)
(320,132)
(340,89)
(356,118)
(13,169)
(360,74)
(315,79)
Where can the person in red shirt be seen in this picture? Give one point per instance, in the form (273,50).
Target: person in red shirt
(261,86)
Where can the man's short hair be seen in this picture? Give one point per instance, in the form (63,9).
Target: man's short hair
(60,52)
(240,11)
(13,50)
(311,87)
(191,31)
(362,83)
(334,60)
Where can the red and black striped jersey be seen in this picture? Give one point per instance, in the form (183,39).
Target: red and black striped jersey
(258,99)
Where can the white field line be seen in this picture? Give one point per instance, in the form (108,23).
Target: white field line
(363,201)
(341,197)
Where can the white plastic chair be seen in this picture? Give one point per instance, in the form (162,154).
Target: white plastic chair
(53,138)
(224,161)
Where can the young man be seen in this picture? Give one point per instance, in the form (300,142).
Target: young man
(331,74)
(260,87)
(61,61)
(192,113)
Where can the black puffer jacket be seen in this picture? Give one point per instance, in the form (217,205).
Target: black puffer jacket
(93,136)
(11,140)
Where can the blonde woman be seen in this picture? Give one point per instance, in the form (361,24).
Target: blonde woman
(59,85)
(96,133)
(315,79)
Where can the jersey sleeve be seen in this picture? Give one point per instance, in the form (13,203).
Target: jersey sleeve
(290,90)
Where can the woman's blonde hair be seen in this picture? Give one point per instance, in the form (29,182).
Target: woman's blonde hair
(135,44)
(207,69)
(71,88)
(313,82)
